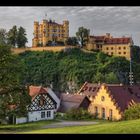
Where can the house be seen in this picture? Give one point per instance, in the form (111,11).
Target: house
(44,103)
(109,101)
(69,101)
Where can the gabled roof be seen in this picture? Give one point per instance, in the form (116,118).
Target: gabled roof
(89,89)
(36,90)
(123,96)
(69,101)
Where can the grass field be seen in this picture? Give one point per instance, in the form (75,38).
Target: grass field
(24,127)
(123,127)
(103,127)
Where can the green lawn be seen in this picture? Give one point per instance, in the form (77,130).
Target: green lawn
(123,127)
(24,127)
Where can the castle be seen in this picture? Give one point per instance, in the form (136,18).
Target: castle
(120,46)
(50,32)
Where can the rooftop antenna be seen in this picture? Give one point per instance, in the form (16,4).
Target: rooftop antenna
(131,73)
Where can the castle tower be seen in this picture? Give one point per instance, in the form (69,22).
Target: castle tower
(66,29)
(35,39)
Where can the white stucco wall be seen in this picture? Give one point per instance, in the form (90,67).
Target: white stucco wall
(21,120)
(36,115)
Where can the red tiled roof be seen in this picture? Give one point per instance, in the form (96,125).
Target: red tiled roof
(123,40)
(35,90)
(89,89)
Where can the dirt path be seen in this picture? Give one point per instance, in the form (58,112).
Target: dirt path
(69,123)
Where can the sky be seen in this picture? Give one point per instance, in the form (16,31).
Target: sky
(118,21)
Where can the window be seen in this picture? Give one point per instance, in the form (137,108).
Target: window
(111,53)
(112,48)
(119,52)
(124,48)
(42,114)
(106,48)
(124,53)
(102,98)
(119,48)
(103,113)
(96,111)
(110,114)
(48,114)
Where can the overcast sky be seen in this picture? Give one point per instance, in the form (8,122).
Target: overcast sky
(118,21)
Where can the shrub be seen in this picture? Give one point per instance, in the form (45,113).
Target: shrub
(132,112)
(78,114)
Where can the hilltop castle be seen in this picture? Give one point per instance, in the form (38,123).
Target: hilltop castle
(50,32)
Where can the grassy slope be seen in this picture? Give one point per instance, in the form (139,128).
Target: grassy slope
(123,127)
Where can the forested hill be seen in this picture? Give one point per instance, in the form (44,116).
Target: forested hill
(68,70)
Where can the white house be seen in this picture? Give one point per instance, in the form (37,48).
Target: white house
(44,104)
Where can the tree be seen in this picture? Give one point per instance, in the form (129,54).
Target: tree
(12,36)
(82,35)
(21,37)
(3,37)
(72,41)
(132,112)
(11,91)
(136,53)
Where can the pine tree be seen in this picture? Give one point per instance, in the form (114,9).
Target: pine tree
(21,37)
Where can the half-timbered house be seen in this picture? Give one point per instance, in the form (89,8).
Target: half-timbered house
(44,103)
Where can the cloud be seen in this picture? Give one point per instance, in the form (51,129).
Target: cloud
(116,20)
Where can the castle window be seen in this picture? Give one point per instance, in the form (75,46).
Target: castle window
(124,53)
(112,48)
(43,114)
(119,48)
(124,48)
(102,98)
(111,53)
(119,52)
(106,48)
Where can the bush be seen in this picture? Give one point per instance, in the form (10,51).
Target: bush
(132,112)
(78,114)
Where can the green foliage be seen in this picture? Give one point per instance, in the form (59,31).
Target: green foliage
(3,37)
(12,36)
(72,41)
(10,85)
(17,37)
(82,35)
(78,114)
(132,112)
(21,37)
(136,54)
(68,70)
